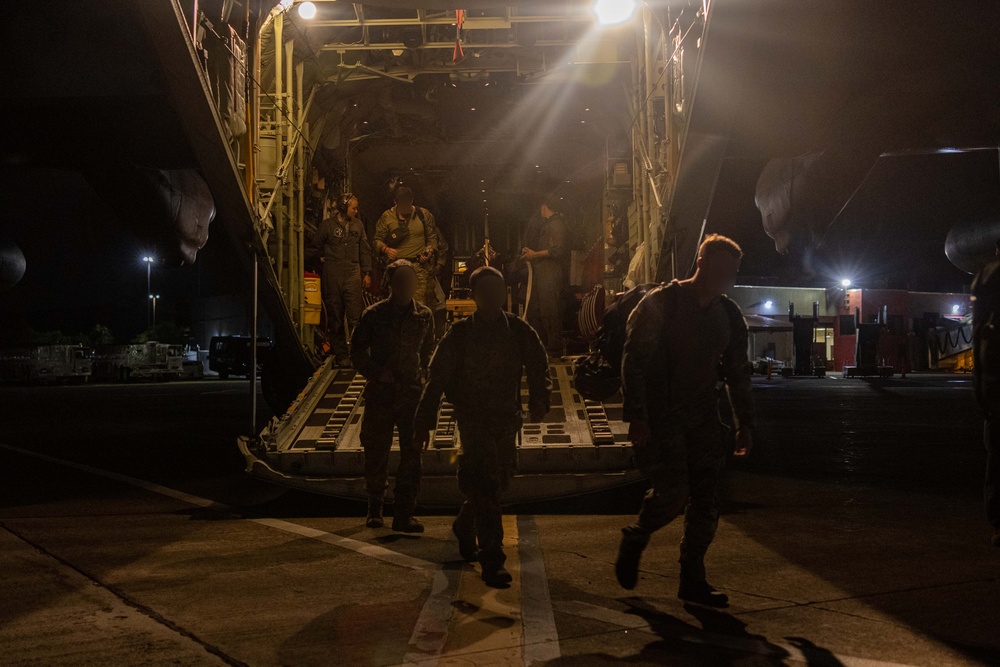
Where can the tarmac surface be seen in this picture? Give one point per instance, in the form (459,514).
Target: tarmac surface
(853,535)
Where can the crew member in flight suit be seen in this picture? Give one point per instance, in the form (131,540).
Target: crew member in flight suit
(392,347)
(478,365)
(986,374)
(347,266)
(548,263)
(682,339)
(409,232)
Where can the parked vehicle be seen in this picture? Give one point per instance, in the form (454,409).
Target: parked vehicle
(46,364)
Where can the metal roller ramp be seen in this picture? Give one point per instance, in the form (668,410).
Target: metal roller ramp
(580,447)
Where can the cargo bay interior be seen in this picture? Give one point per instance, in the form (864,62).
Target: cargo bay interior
(482,113)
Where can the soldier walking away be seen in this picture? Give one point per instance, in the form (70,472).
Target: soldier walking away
(681,339)
(347,265)
(549,276)
(391,347)
(409,232)
(478,365)
(986,374)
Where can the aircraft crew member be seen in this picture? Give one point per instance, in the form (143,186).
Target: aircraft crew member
(549,276)
(409,232)
(347,265)
(478,364)
(986,373)
(392,347)
(681,339)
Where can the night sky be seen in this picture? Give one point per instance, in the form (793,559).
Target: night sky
(891,234)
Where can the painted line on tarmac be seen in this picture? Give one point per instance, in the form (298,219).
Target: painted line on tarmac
(745,644)
(541,640)
(362,548)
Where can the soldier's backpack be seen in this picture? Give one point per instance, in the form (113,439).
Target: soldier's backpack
(598,375)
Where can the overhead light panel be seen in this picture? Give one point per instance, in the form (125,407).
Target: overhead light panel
(614,12)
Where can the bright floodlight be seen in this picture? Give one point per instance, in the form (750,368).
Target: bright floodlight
(148,259)
(768,304)
(307,10)
(956,308)
(846,282)
(613,12)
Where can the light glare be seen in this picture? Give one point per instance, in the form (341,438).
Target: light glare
(307,10)
(613,12)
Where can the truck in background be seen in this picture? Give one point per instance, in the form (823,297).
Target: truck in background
(46,364)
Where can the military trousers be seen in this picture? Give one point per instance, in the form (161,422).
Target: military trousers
(545,305)
(991,489)
(486,464)
(683,461)
(389,406)
(342,296)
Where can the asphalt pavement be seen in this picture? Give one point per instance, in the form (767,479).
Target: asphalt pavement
(129,534)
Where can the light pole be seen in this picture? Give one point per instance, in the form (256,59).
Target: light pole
(149,259)
(153,298)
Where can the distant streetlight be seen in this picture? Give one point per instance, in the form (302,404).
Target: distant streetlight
(846,282)
(307,10)
(956,309)
(154,298)
(149,259)
(768,305)
(613,12)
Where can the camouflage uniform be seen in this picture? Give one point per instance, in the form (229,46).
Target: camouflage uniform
(986,369)
(347,255)
(423,237)
(675,354)
(479,365)
(400,341)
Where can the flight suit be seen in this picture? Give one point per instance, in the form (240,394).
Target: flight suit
(346,256)
(400,341)
(675,354)
(986,375)
(423,237)
(548,282)
(478,365)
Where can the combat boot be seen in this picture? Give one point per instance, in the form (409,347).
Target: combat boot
(407,524)
(629,554)
(700,592)
(496,576)
(374,519)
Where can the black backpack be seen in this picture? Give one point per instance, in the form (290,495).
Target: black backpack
(598,376)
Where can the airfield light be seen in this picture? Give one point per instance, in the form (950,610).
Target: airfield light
(307,10)
(613,12)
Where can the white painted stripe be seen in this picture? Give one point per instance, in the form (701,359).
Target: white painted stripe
(363,548)
(541,640)
(430,633)
(745,644)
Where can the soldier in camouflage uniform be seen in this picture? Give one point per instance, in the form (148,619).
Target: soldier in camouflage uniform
(682,338)
(478,364)
(986,369)
(391,347)
(347,266)
(409,232)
